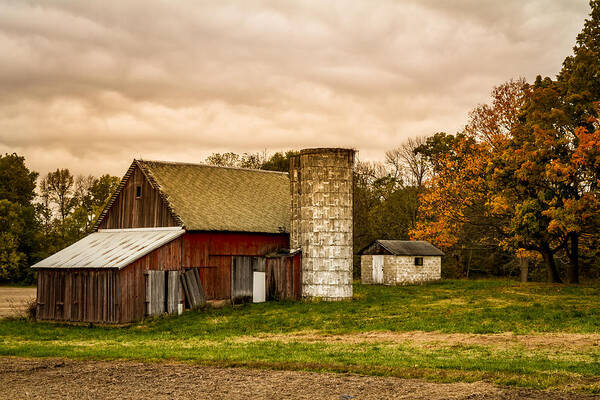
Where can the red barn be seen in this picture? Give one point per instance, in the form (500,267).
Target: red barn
(168,216)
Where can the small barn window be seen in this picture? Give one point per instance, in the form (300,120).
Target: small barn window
(419,261)
(138,192)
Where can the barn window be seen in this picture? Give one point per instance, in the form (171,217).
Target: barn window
(138,192)
(419,261)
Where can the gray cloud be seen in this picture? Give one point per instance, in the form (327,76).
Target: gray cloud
(90,85)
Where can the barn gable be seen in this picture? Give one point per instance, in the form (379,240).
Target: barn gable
(137,203)
(200,198)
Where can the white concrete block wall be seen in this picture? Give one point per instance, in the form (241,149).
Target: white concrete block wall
(401,270)
(366,269)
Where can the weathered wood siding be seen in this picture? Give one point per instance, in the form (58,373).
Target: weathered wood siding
(211,253)
(86,295)
(133,282)
(242,268)
(129,211)
(102,295)
(284,278)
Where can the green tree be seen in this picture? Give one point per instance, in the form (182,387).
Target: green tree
(17,183)
(279,161)
(19,227)
(91,194)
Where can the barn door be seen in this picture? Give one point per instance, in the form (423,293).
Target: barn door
(248,279)
(155,292)
(241,279)
(163,292)
(377,269)
(173,291)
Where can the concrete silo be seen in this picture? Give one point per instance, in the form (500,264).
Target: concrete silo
(321,209)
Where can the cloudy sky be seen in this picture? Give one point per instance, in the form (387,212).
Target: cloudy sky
(91,85)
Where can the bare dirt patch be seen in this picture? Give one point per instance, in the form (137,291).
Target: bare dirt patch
(564,341)
(66,379)
(13,299)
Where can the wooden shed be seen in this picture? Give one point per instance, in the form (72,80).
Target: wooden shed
(400,262)
(220,221)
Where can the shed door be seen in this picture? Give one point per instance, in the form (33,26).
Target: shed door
(377,269)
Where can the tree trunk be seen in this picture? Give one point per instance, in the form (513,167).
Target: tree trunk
(551,271)
(573,253)
(469,262)
(524,265)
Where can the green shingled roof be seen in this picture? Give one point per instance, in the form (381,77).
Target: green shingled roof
(211,198)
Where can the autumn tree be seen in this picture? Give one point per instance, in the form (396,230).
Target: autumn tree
(579,85)
(546,173)
(520,176)
(492,123)
(456,209)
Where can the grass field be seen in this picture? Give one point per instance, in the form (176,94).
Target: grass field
(530,335)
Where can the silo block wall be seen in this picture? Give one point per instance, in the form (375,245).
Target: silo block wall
(325,222)
(295,204)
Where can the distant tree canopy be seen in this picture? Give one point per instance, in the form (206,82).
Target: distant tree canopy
(276,162)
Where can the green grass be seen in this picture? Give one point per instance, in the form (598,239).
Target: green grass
(255,334)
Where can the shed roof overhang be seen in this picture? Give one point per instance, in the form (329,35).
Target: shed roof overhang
(111,248)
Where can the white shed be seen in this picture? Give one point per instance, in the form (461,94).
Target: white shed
(400,262)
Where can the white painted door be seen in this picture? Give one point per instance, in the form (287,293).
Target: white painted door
(377,269)
(258,290)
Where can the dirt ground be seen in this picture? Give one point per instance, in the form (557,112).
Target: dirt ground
(66,379)
(559,341)
(12,299)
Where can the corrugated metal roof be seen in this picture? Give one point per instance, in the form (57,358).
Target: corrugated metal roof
(111,248)
(408,247)
(212,198)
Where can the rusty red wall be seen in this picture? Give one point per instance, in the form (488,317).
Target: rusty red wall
(132,282)
(211,252)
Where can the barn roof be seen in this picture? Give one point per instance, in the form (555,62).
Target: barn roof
(111,248)
(212,198)
(406,248)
